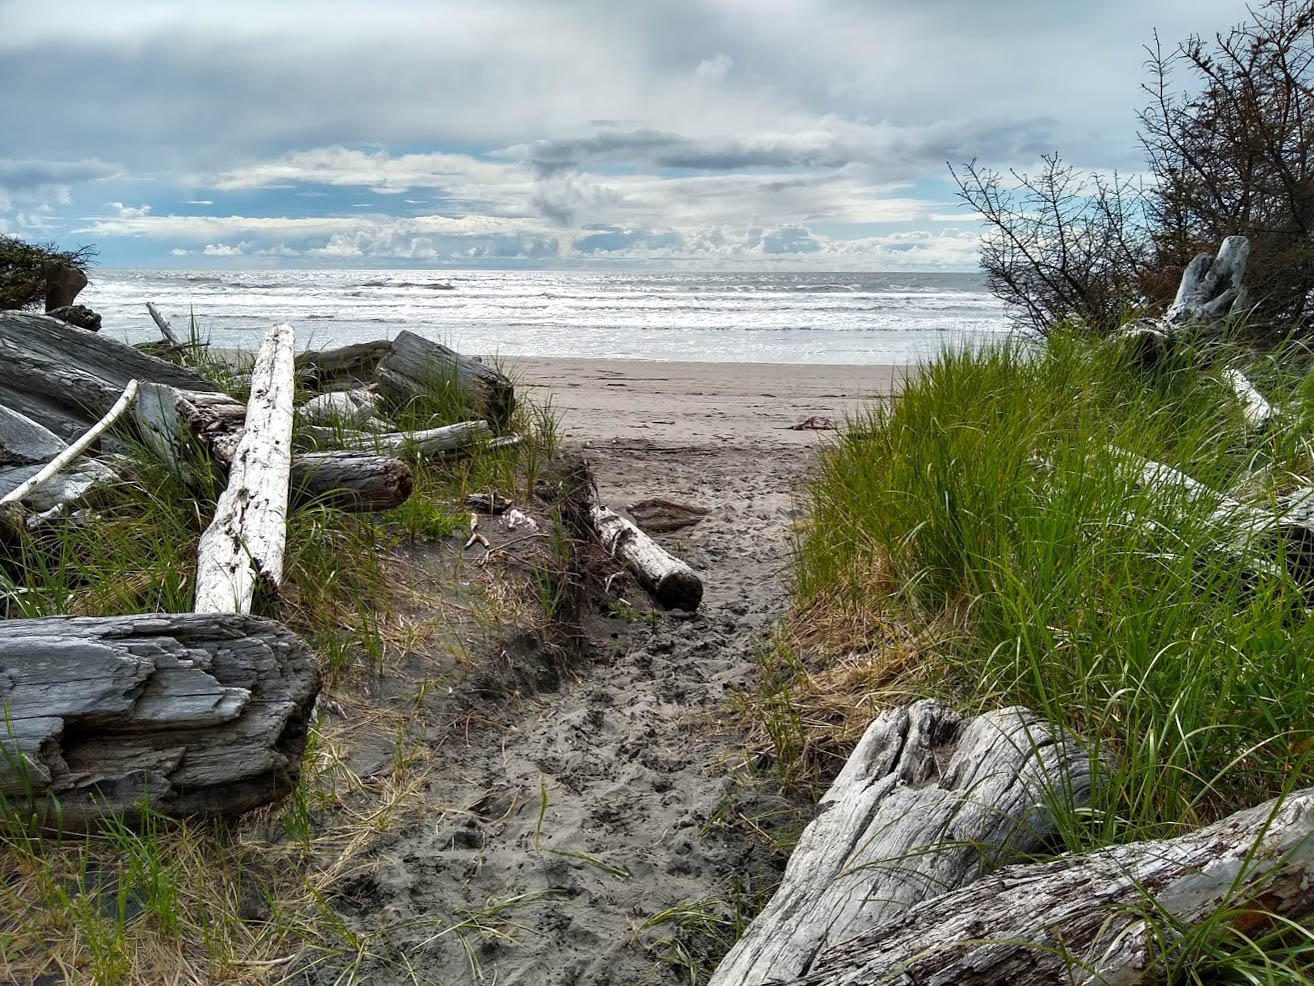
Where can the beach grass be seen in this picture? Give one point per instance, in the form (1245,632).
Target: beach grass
(253,900)
(981,539)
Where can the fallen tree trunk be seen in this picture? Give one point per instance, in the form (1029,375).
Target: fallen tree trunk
(416,367)
(353,481)
(66,378)
(427,443)
(926,803)
(351,365)
(192,714)
(1109,917)
(244,542)
(165,326)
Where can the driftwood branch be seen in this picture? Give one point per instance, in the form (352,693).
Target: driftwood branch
(191,714)
(1110,917)
(244,542)
(926,803)
(427,443)
(1259,413)
(166,327)
(68,455)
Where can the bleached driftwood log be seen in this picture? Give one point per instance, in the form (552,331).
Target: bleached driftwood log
(244,542)
(926,803)
(416,367)
(65,458)
(66,378)
(1210,290)
(426,443)
(197,714)
(165,326)
(350,365)
(671,582)
(1109,918)
(342,408)
(355,481)
(1259,413)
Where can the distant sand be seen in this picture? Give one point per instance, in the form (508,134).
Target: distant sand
(670,403)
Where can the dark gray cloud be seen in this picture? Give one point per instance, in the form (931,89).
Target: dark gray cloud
(26,175)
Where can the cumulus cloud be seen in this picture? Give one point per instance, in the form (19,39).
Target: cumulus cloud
(128,211)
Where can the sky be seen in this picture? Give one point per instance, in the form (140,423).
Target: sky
(672,134)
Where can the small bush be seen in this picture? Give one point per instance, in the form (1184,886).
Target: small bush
(25,268)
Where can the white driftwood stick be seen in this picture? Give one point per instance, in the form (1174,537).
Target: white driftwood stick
(62,461)
(1111,917)
(166,327)
(245,540)
(926,803)
(1259,413)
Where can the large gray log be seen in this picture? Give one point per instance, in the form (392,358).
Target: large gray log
(355,481)
(65,378)
(196,714)
(416,367)
(926,803)
(244,543)
(351,365)
(1110,917)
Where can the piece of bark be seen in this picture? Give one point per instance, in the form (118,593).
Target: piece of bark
(426,443)
(165,326)
(416,367)
(65,378)
(244,543)
(352,481)
(197,714)
(1259,413)
(660,514)
(1110,917)
(350,365)
(926,803)
(65,458)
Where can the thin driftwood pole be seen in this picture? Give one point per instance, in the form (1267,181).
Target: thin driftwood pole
(244,543)
(62,461)
(166,327)
(1259,413)
(429,442)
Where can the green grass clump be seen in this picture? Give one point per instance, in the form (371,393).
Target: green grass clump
(980,539)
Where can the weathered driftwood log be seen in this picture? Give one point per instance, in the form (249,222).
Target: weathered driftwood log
(166,328)
(926,803)
(1110,917)
(416,367)
(65,378)
(194,714)
(79,315)
(671,582)
(350,365)
(245,540)
(63,284)
(1259,413)
(427,443)
(354,481)
(1211,289)
(661,514)
(342,408)
(65,458)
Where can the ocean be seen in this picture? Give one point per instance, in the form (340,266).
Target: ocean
(890,318)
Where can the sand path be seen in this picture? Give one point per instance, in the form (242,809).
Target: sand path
(584,810)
